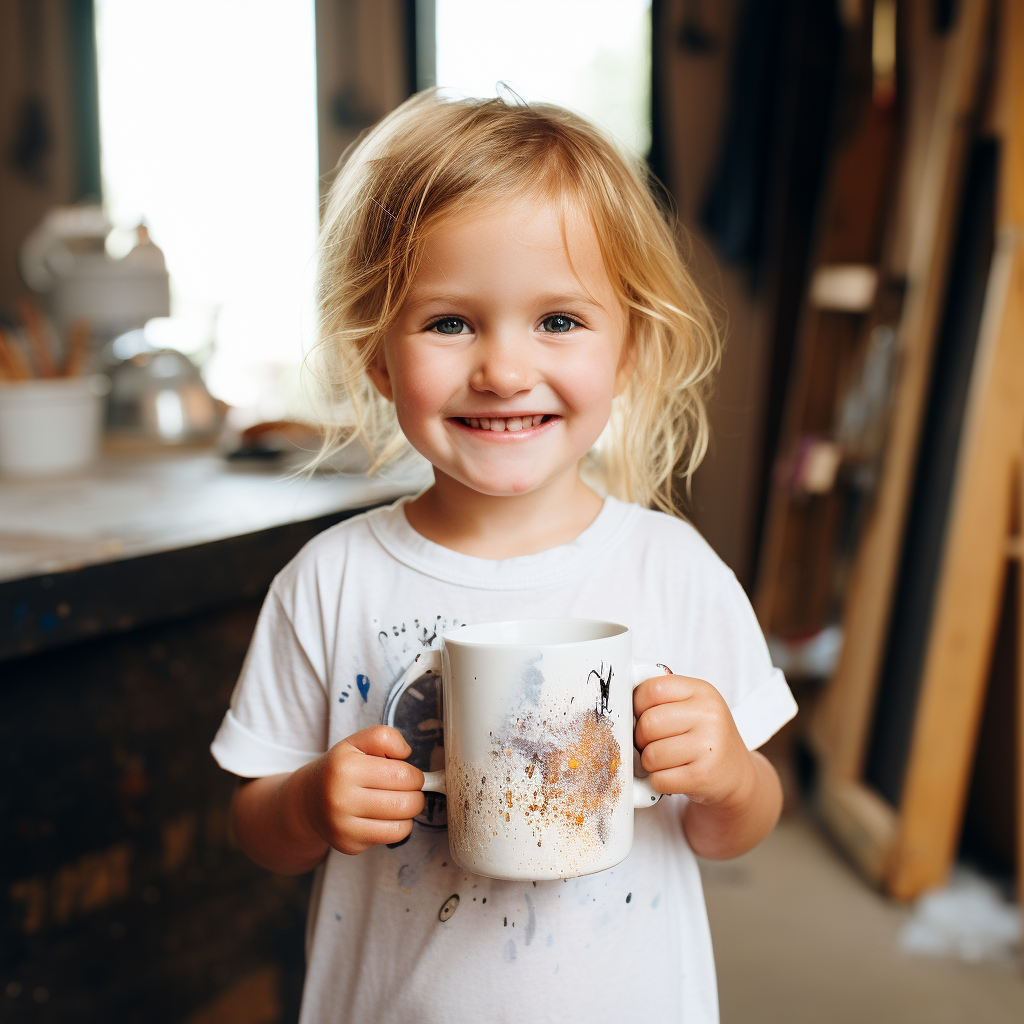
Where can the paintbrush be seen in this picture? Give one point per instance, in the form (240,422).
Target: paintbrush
(33,323)
(78,346)
(13,362)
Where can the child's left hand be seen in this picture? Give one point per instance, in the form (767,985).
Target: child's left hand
(690,743)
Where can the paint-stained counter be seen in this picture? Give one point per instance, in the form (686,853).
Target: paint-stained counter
(137,540)
(134,589)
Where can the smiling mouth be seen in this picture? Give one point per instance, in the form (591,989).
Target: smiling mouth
(498,424)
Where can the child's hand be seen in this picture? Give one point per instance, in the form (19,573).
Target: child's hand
(362,792)
(689,741)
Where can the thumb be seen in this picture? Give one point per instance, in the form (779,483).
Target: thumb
(381,741)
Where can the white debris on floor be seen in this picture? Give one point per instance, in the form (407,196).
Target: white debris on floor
(969,919)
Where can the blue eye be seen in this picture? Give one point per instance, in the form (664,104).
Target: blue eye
(559,324)
(450,325)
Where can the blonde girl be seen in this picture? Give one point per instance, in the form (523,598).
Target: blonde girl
(498,290)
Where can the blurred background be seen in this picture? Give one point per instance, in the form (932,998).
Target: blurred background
(849,175)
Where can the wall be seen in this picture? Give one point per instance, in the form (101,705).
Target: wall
(363,70)
(34,60)
(695,96)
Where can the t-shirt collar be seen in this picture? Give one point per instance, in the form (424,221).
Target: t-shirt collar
(546,568)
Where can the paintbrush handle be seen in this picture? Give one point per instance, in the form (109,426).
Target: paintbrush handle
(78,346)
(13,362)
(33,323)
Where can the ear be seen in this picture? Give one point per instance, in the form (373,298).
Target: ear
(377,371)
(627,363)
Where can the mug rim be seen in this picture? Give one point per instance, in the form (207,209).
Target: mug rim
(456,635)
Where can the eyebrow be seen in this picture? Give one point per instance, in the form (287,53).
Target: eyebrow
(552,301)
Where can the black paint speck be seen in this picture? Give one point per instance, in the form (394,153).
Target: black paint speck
(485,899)
(629,896)
(535,885)
(506,922)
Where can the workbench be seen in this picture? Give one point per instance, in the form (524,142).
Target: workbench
(128,595)
(144,539)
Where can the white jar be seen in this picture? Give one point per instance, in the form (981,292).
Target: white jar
(50,426)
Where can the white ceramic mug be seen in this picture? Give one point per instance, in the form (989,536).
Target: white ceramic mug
(50,426)
(538,745)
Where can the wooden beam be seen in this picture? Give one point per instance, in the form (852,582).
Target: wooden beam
(861,821)
(842,723)
(1020,687)
(967,601)
(970,588)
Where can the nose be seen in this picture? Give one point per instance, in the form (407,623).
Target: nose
(505,366)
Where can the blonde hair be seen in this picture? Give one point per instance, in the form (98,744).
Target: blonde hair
(432,157)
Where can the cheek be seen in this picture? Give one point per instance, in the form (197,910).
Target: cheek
(588,387)
(419,384)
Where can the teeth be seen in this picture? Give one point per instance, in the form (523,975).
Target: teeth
(512,423)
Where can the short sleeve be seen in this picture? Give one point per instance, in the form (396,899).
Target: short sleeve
(277,721)
(729,651)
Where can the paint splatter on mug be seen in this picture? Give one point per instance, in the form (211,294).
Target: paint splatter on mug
(538,727)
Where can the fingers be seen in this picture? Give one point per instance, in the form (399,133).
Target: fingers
(663,690)
(382,767)
(381,741)
(670,752)
(368,796)
(385,805)
(362,833)
(664,720)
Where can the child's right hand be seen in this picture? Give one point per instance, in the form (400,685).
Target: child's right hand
(362,791)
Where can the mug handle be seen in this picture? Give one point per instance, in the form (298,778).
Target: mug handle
(644,794)
(424,662)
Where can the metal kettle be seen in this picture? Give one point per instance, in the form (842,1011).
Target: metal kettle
(158,394)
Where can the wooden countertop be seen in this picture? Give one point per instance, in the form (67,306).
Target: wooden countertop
(127,507)
(137,539)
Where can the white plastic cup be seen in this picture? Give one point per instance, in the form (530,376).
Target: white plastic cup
(50,426)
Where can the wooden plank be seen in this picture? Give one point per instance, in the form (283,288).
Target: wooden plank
(850,231)
(974,561)
(863,824)
(968,597)
(1020,686)
(843,719)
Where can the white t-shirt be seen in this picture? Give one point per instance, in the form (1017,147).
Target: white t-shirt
(342,623)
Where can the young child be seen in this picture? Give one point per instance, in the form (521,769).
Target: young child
(497,287)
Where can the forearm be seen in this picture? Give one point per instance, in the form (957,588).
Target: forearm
(719,832)
(269,821)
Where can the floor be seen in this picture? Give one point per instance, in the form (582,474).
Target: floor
(800,939)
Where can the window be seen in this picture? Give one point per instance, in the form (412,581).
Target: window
(593,56)
(208,135)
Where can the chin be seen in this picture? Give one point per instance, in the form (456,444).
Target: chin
(503,488)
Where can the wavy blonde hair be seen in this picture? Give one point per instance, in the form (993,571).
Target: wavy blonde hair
(433,157)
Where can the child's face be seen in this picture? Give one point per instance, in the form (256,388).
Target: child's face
(505,357)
